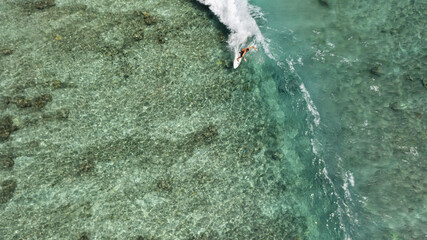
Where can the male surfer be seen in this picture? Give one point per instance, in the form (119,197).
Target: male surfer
(244,51)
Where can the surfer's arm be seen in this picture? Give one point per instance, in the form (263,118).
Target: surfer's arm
(253,48)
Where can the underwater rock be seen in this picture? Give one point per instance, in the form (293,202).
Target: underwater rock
(41,101)
(21,102)
(57,84)
(418,115)
(396,106)
(144,238)
(207,134)
(43,4)
(272,154)
(138,35)
(164,185)
(4,101)
(7,190)
(84,236)
(409,78)
(148,19)
(161,38)
(86,165)
(7,51)
(281,87)
(6,127)
(201,177)
(377,71)
(62,114)
(6,162)
(324,3)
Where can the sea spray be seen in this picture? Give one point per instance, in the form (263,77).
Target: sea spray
(238,17)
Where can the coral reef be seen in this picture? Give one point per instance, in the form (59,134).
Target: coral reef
(131,119)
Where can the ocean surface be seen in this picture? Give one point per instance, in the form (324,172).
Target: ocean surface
(126,120)
(350,77)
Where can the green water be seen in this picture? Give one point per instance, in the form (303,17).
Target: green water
(364,65)
(125,120)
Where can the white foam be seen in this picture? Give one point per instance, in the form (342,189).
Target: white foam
(348,179)
(291,64)
(239,17)
(351,179)
(310,105)
(374,88)
(300,61)
(413,151)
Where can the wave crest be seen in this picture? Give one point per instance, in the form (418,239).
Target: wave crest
(237,15)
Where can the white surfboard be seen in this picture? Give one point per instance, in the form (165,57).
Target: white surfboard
(237,62)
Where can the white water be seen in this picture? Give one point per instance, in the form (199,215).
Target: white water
(238,16)
(310,105)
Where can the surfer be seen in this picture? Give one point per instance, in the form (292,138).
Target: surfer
(244,51)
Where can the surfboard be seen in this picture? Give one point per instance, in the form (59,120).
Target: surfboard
(237,62)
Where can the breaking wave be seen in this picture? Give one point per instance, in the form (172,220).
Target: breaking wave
(240,18)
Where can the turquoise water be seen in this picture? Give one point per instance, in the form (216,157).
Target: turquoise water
(359,117)
(126,120)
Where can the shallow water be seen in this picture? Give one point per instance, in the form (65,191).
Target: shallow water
(125,120)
